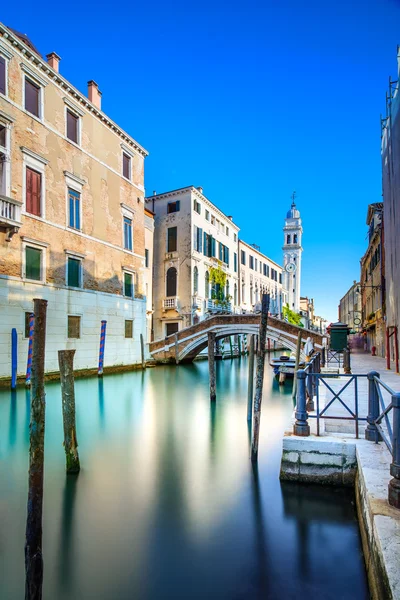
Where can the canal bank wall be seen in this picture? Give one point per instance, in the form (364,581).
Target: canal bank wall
(342,460)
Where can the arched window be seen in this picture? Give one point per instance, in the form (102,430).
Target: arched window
(295,238)
(171,282)
(227,289)
(243,298)
(251,294)
(207,286)
(195,280)
(288,239)
(235,295)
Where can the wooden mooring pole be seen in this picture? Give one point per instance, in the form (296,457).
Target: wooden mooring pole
(259,375)
(211,365)
(33,543)
(142,351)
(66,363)
(251,379)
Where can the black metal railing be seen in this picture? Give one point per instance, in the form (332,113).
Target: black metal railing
(380,427)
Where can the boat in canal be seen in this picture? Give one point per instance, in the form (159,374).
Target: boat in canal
(285,364)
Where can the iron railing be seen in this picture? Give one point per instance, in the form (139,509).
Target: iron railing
(379,425)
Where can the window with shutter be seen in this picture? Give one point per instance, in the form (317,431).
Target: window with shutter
(129,328)
(172,233)
(74,199)
(72,126)
(33,263)
(74,327)
(173,207)
(33,192)
(172,280)
(128,233)
(128,285)
(74,272)
(32,97)
(126,165)
(146,258)
(2,75)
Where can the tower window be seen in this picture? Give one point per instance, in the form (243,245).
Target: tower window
(295,238)
(288,238)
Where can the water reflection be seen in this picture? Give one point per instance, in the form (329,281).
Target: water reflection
(168,504)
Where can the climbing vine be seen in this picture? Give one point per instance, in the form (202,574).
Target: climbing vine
(291,317)
(217,276)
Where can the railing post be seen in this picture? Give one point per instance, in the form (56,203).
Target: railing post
(323,356)
(371,432)
(346,361)
(301,427)
(394,484)
(310,388)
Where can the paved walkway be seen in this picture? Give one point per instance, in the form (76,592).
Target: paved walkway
(361,364)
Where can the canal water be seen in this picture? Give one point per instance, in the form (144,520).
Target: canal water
(167,505)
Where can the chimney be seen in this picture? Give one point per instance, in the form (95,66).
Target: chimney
(154,193)
(94,94)
(230,217)
(53,59)
(200,190)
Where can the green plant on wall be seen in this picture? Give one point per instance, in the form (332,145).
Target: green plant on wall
(291,316)
(218,282)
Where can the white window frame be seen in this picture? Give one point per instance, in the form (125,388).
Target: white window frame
(76,256)
(127,270)
(37,163)
(42,246)
(132,155)
(7,55)
(6,150)
(29,74)
(129,213)
(70,106)
(76,184)
(80,324)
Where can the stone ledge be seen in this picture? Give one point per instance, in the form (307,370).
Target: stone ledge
(343,460)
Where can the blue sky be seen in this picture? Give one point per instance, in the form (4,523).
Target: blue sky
(249,100)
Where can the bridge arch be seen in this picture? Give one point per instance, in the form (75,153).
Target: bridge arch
(195,346)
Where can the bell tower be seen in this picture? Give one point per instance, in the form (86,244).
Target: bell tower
(292,251)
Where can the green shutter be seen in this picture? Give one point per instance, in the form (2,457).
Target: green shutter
(128,286)
(32,263)
(74,271)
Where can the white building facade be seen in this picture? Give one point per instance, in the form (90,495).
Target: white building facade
(195,260)
(292,252)
(259,275)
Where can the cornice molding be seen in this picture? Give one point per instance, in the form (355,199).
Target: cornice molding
(33,154)
(5,52)
(73,107)
(33,75)
(42,65)
(74,178)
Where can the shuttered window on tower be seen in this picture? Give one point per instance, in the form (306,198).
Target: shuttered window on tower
(33,192)
(2,75)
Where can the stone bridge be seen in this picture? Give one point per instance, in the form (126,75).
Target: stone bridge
(185,345)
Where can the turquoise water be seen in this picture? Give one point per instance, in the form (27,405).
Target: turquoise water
(167,504)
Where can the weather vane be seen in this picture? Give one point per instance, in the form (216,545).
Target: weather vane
(293,196)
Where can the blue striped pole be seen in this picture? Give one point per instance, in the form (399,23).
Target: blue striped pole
(30,350)
(14,358)
(102,344)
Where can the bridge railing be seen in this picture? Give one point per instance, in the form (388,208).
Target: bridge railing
(381,413)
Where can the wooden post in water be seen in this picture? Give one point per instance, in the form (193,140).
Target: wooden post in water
(176,349)
(142,351)
(296,368)
(282,378)
(251,379)
(211,365)
(230,344)
(33,542)
(66,363)
(259,375)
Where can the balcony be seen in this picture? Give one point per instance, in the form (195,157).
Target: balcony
(219,306)
(10,216)
(171,255)
(170,303)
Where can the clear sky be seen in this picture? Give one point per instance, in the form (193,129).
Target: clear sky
(249,100)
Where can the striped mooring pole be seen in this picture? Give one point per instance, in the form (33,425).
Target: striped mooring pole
(102,345)
(14,358)
(30,350)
